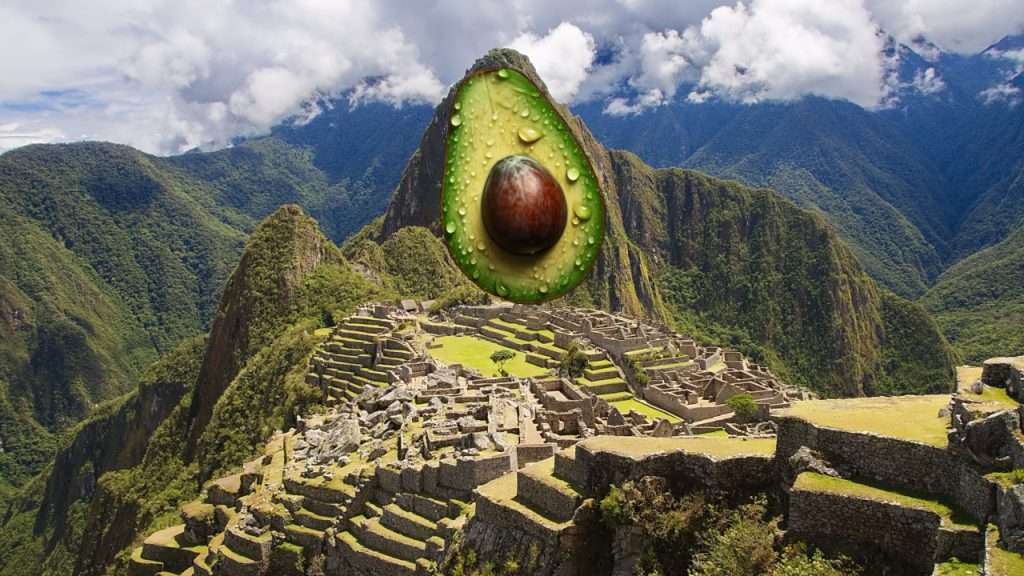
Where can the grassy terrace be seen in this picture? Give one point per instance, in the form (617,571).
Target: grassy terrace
(814,482)
(956,567)
(715,447)
(1003,562)
(522,328)
(966,375)
(474,352)
(644,408)
(913,418)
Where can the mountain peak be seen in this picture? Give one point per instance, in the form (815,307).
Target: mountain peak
(284,249)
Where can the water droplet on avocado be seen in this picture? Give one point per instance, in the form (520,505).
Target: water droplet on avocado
(529,135)
(450,227)
(582,211)
(590,240)
(458,105)
(543,288)
(462,210)
(502,290)
(524,113)
(456,121)
(503,73)
(572,174)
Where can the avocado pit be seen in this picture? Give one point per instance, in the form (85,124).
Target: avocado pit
(524,208)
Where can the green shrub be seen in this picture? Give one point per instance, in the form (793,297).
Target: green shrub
(573,363)
(796,561)
(744,407)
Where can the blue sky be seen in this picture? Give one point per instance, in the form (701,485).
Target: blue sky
(168,76)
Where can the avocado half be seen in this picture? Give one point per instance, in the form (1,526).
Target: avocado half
(499,118)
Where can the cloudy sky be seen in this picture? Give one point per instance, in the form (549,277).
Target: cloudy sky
(166,76)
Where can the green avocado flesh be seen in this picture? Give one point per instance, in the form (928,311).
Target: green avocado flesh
(499,113)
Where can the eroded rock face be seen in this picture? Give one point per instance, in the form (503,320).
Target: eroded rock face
(1010,504)
(806,459)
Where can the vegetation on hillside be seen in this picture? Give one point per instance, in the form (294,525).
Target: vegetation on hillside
(979,302)
(702,535)
(746,269)
(142,478)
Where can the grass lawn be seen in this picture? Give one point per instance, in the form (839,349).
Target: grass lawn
(956,567)
(1004,562)
(1007,479)
(905,417)
(473,352)
(966,375)
(641,446)
(646,409)
(814,482)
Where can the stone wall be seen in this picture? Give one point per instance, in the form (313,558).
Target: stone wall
(468,473)
(740,475)
(866,529)
(900,464)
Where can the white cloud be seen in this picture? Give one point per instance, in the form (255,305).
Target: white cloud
(928,82)
(1004,92)
(168,75)
(563,57)
(767,50)
(956,25)
(13,135)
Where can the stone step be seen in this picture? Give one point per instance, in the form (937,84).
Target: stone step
(390,361)
(310,519)
(496,505)
(408,523)
(615,396)
(602,374)
(374,375)
(364,328)
(424,506)
(346,334)
(606,386)
(203,563)
(353,344)
(139,566)
(372,321)
(394,350)
(366,382)
(371,561)
(308,538)
(334,493)
(233,563)
(252,547)
(372,510)
(539,489)
(321,508)
(171,547)
(372,534)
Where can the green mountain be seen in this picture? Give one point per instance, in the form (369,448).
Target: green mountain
(979,302)
(110,257)
(740,266)
(201,410)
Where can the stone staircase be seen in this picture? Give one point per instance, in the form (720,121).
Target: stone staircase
(170,550)
(540,498)
(402,533)
(359,353)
